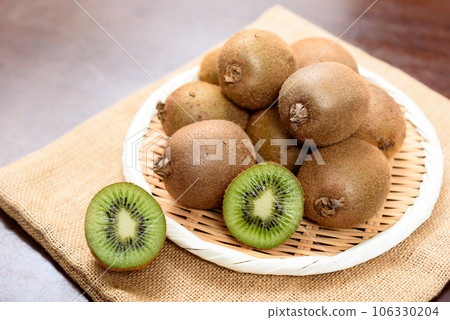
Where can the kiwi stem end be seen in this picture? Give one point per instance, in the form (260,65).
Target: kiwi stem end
(385,144)
(160,106)
(233,74)
(326,207)
(162,167)
(299,113)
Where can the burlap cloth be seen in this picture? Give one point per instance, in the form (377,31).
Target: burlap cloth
(47,193)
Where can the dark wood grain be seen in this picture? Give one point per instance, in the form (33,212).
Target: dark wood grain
(57,68)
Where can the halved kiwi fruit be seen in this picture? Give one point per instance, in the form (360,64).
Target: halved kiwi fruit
(204,158)
(349,188)
(326,102)
(198,101)
(252,66)
(385,124)
(208,67)
(316,50)
(125,227)
(263,206)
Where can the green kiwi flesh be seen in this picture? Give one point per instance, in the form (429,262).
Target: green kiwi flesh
(263,206)
(195,179)
(252,66)
(385,124)
(266,124)
(208,67)
(316,50)
(125,227)
(350,188)
(326,102)
(197,101)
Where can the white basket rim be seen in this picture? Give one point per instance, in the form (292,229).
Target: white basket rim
(414,216)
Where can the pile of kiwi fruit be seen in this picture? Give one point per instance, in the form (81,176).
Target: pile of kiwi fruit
(227,149)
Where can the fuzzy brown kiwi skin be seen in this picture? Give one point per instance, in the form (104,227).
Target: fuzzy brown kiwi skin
(267,125)
(208,67)
(108,267)
(385,124)
(316,50)
(252,66)
(201,101)
(326,102)
(350,188)
(213,176)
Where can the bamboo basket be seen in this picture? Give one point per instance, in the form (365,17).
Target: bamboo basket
(415,183)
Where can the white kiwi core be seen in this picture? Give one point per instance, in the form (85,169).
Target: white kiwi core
(263,206)
(126,225)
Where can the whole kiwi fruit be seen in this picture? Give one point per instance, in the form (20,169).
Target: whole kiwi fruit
(326,102)
(252,66)
(199,101)
(385,124)
(266,124)
(125,227)
(197,174)
(308,50)
(208,67)
(349,188)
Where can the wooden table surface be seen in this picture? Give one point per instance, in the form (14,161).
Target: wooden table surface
(58,68)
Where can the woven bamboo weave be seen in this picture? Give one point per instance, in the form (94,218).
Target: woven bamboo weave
(407,169)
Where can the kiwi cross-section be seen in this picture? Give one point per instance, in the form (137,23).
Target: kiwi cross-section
(263,206)
(125,227)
